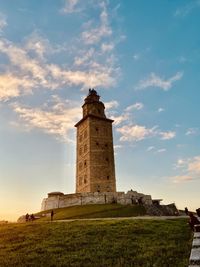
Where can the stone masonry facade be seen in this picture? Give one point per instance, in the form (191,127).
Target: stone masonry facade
(95,167)
(59,200)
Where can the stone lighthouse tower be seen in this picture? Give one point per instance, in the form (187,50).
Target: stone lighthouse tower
(95,167)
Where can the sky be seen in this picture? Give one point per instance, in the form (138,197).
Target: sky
(142,57)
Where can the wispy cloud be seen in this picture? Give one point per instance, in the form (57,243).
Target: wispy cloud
(154,80)
(112,104)
(29,63)
(107,47)
(3,21)
(136,57)
(189,168)
(13,86)
(94,35)
(181,178)
(161,110)
(118,119)
(185,10)
(135,132)
(71,6)
(150,148)
(192,131)
(136,106)
(194,165)
(161,150)
(167,135)
(56,119)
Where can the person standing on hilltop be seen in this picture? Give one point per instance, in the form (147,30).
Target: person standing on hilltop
(52,213)
(193,220)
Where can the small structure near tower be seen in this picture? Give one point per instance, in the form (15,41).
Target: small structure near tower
(95,167)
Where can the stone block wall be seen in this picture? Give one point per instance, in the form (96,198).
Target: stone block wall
(60,200)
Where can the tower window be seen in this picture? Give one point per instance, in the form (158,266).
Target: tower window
(97,129)
(80,151)
(108,177)
(85,134)
(85,148)
(85,179)
(107,159)
(85,163)
(80,166)
(106,145)
(97,143)
(99,111)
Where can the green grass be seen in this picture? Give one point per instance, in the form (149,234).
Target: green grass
(97,211)
(120,243)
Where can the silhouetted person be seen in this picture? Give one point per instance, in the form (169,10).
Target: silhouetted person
(193,220)
(186,211)
(140,201)
(27,217)
(52,213)
(198,212)
(32,217)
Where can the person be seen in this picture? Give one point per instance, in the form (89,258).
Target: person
(32,217)
(186,210)
(198,212)
(52,213)
(193,220)
(27,217)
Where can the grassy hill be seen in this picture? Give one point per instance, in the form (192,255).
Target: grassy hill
(96,211)
(116,243)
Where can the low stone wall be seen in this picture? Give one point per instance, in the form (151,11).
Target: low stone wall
(59,200)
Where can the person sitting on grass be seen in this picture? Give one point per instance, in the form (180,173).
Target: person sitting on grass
(193,221)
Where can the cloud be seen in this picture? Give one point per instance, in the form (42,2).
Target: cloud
(120,118)
(136,56)
(155,81)
(112,104)
(85,57)
(167,135)
(136,106)
(181,163)
(150,148)
(135,132)
(161,110)
(70,7)
(13,86)
(161,150)
(181,178)
(194,165)
(95,35)
(187,9)
(3,22)
(107,47)
(28,69)
(192,131)
(189,168)
(56,120)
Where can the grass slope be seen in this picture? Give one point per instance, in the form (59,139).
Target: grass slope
(120,243)
(96,211)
